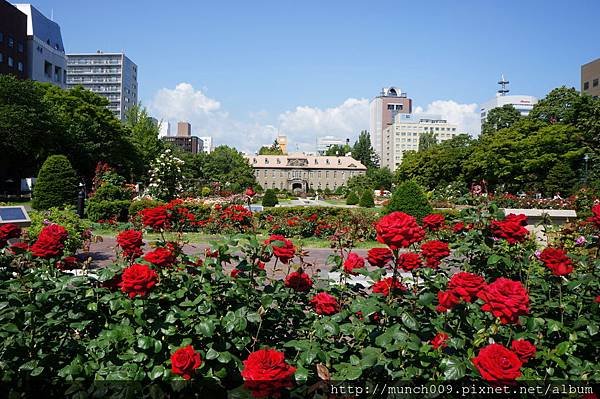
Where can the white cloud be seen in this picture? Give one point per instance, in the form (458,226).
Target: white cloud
(466,116)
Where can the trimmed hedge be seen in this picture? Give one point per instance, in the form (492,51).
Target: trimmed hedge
(352,198)
(106,210)
(138,205)
(410,198)
(366,200)
(56,184)
(270,198)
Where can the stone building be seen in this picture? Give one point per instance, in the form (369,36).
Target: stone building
(299,173)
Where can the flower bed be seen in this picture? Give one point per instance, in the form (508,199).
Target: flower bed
(470,300)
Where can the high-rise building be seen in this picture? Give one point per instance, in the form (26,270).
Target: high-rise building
(111,75)
(326,142)
(405,133)
(46,61)
(13,39)
(523,104)
(207,144)
(184,139)
(383,109)
(590,73)
(184,129)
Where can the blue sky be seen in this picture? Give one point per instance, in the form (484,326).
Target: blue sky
(249,65)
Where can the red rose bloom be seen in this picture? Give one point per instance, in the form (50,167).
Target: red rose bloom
(434,221)
(8,231)
(250,192)
(439,341)
(447,300)
(409,261)
(67,263)
(19,247)
(184,361)
(511,228)
(595,219)
(138,279)
(266,373)
(325,304)
(379,256)
(459,227)
(353,261)
(466,285)
(505,299)
(434,251)
(156,218)
(597,299)
(299,281)
(131,243)
(161,257)
(234,273)
(398,230)
(524,349)
(497,363)
(384,285)
(557,261)
(50,242)
(283,248)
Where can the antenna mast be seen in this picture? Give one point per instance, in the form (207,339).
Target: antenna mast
(503,86)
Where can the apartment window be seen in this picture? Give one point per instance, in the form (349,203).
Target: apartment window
(10,62)
(11,42)
(20,66)
(48,69)
(20,47)
(586,85)
(595,83)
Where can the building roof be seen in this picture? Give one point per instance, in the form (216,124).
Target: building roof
(41,27)
(304,161)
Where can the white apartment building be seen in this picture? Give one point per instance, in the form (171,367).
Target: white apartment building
(523,104)
(111,75)
(324,143)
(404,135)
(207,144)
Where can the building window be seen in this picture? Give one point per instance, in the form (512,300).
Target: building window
(20,66)
(586,85)
(595,83)
(11,42)
(20,47)
(10,62)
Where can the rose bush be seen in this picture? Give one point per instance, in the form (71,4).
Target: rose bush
(491,311)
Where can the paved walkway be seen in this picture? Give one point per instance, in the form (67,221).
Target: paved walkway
(103,253)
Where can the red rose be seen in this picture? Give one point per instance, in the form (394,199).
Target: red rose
(409,261)
(557,261)
(595,219)
(50,242)
(353,261)
(234,273)
(67,263)
(511,228)
(131,243)
(434,251)
(325,304)
(184,361)
(434,221)
(439,341)
(458,227)
(8,231)
(19,248)
(466,285)
(379,256)
(161,257)
(250,192)
(299,281)
(156,218)
(266,373)
(497,363)
(283,248)
(138,279)
(447,300)
(524,349)
(398,230)
(384,285)
(506,299)
(597,300)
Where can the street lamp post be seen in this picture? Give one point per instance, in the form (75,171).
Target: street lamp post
(586,159)
(81,200)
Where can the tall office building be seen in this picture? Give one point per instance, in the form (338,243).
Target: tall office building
(522,103)
(46,60)
(590,73)
(184,129)
(184,139)
(405,133)
(112,75)
(13,39)
(383,108)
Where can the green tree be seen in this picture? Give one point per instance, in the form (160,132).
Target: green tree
(227,166)
(427,140)
(363,151)
(351,198)
(500,118)
(366,199)
(56,184)
(270,198)
(143,133)
(337,150)
(561,179)
(409,198)
(274,149)
(380,178)
(561,105)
